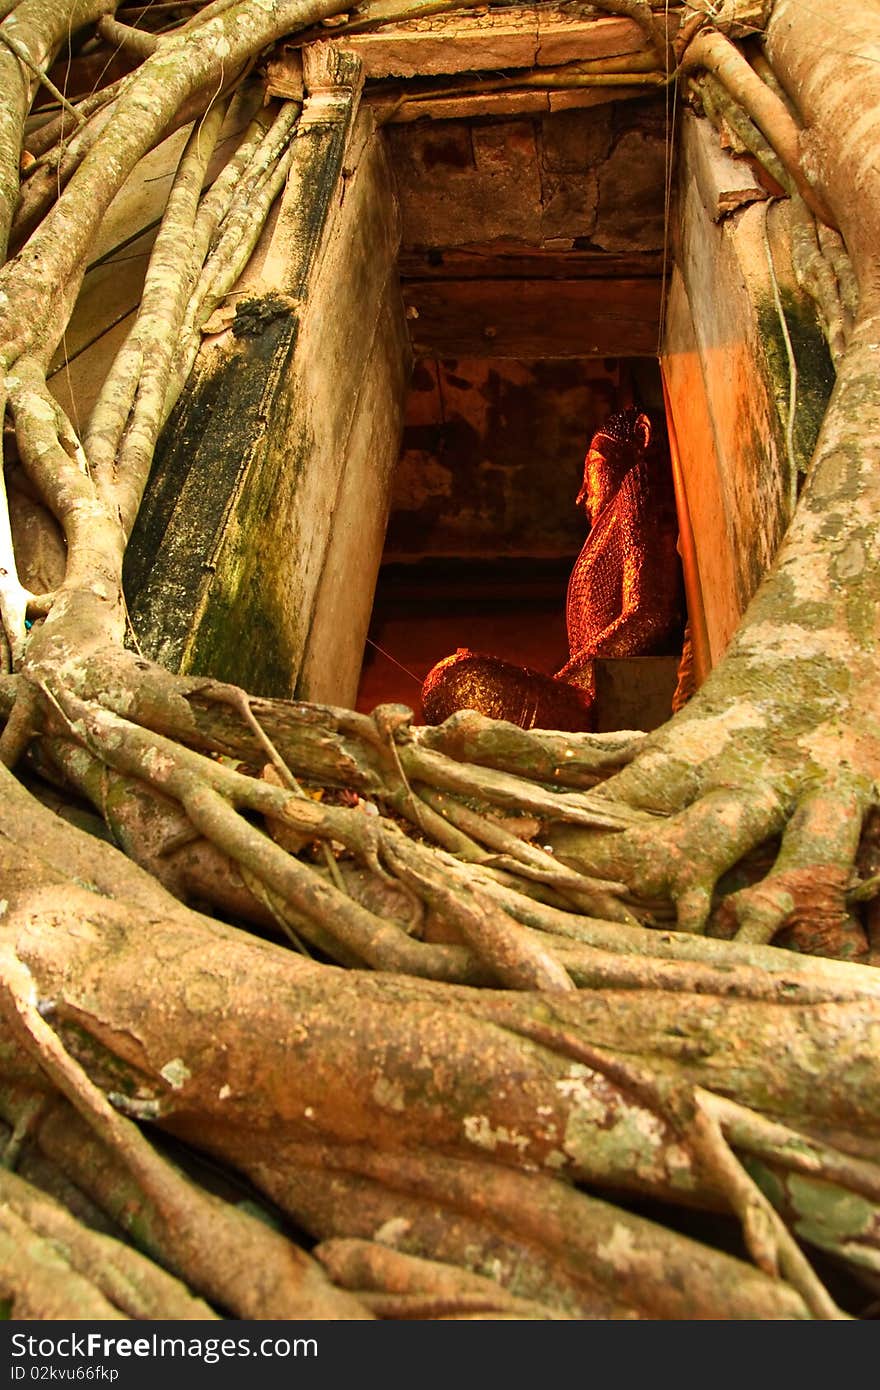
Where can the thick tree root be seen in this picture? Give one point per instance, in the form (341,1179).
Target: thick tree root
(419,1077)
(428,1134)
(37,1282)
(397,1285)
(240,1262)
(129,1282)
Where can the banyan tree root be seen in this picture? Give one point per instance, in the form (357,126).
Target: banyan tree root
(210,797)
(75,1272)
(659,857)
(662,1064)
(397,1285)
(685,810)
(213,1242)
(500,1083)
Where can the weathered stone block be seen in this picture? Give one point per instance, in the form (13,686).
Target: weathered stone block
(575,140)
(229,571)
(460,183)
(726,364)
(570,202)
(334,647)
(631,183)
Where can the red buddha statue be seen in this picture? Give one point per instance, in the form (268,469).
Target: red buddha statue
(624,593)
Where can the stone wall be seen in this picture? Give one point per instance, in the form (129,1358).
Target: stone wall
(592,177)
(531,259)
(493,454)
(257,547)
(733,300)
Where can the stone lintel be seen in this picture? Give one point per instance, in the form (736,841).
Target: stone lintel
(497,39)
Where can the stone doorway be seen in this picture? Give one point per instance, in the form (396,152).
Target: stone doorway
(483,530)
(531,268)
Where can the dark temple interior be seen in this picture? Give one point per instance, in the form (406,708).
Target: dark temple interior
(532,271)
(484,530)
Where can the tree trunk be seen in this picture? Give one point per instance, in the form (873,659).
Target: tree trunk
(492,1021)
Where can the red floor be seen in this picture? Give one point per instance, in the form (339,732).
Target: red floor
(532,635)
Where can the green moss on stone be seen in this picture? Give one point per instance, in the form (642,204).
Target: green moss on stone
(197,574)
(815,370)
(239,638)
(212,453)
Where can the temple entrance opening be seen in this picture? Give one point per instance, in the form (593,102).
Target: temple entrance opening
(484,532)
(454,291)
(532,269)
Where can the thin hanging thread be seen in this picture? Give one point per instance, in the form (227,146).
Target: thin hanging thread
(671,94)
(405,669)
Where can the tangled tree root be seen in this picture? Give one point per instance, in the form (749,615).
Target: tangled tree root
(517,1017)
(379,1106)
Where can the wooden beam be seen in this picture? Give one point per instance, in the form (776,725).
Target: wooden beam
(513,261)
(534,318)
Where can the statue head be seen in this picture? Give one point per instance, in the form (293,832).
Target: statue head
(613,451)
